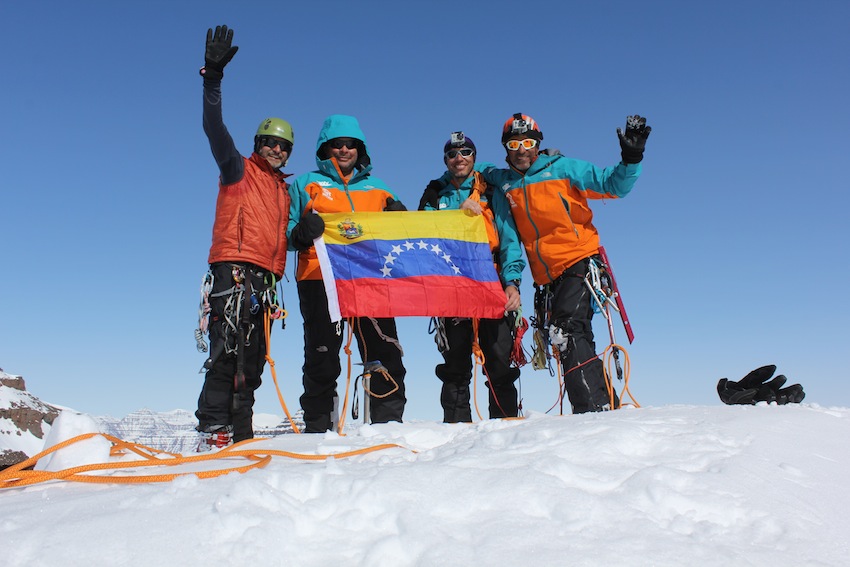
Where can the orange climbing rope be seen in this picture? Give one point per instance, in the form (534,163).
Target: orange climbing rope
(608,356)
(21,474)
(267,327)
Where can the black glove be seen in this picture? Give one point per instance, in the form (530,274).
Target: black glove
(633,142)
(757,386)
(305,232)
(431,195)
(393,205)
(219,52)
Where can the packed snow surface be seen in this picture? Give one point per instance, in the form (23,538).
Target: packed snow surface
(672,485)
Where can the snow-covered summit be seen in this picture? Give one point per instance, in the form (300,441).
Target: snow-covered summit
(667,486)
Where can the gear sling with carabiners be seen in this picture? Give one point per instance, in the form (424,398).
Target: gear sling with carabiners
(237,355)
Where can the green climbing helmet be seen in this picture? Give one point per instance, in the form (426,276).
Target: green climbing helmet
(277,128)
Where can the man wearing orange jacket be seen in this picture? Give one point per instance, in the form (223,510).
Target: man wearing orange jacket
(548,198)
(247,256)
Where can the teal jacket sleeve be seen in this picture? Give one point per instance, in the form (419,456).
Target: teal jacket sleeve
(598,183)
(510,247)
(493,175)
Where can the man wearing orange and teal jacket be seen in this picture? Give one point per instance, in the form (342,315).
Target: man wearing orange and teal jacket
(548,198)
(342,183)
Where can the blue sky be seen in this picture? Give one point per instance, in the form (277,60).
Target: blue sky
(731,252)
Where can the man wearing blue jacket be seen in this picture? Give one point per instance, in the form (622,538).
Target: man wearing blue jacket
(342,183)
(466,190)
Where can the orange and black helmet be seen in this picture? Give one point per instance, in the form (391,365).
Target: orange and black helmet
(521,124)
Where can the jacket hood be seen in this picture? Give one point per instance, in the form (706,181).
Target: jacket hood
(341,126)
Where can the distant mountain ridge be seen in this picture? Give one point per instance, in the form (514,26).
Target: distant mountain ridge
(174,431)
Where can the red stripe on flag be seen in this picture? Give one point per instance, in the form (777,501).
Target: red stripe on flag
(429,296)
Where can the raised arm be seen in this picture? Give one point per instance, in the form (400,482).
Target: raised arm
(219,52)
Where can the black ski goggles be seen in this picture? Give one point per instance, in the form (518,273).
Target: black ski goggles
(339,143)
(272,142)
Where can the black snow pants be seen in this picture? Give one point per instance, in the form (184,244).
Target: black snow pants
(572,312)
(496,341)
(221,402)
(322,365)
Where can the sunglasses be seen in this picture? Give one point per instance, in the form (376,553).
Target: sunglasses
(339,143)
(271,142)
(527,143)
(465,152)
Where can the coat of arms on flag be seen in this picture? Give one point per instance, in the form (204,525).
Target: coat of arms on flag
(409,263)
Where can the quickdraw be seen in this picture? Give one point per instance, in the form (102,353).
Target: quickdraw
(598,282)
(518,356)
(437,327)
(204,311)
(541,357)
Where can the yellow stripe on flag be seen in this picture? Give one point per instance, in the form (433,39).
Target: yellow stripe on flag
(347,228)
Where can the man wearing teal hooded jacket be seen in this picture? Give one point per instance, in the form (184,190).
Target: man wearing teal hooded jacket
(341,184)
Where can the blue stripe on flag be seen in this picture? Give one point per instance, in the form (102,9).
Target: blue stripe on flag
(394,259)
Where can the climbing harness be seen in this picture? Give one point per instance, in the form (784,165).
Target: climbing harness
(550,340)
(241,302)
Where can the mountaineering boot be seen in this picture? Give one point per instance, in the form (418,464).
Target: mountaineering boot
(455,399)
(317,423)
(215,437)
(502,399)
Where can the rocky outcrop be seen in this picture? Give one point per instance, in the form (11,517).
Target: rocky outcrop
(23,420)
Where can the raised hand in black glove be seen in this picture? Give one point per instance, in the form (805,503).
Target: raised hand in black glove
(431,195)
(305,232)
(757,386)
(633,141)
(393,205)
(219,52)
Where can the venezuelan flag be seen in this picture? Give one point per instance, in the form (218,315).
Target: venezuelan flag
(409,263)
